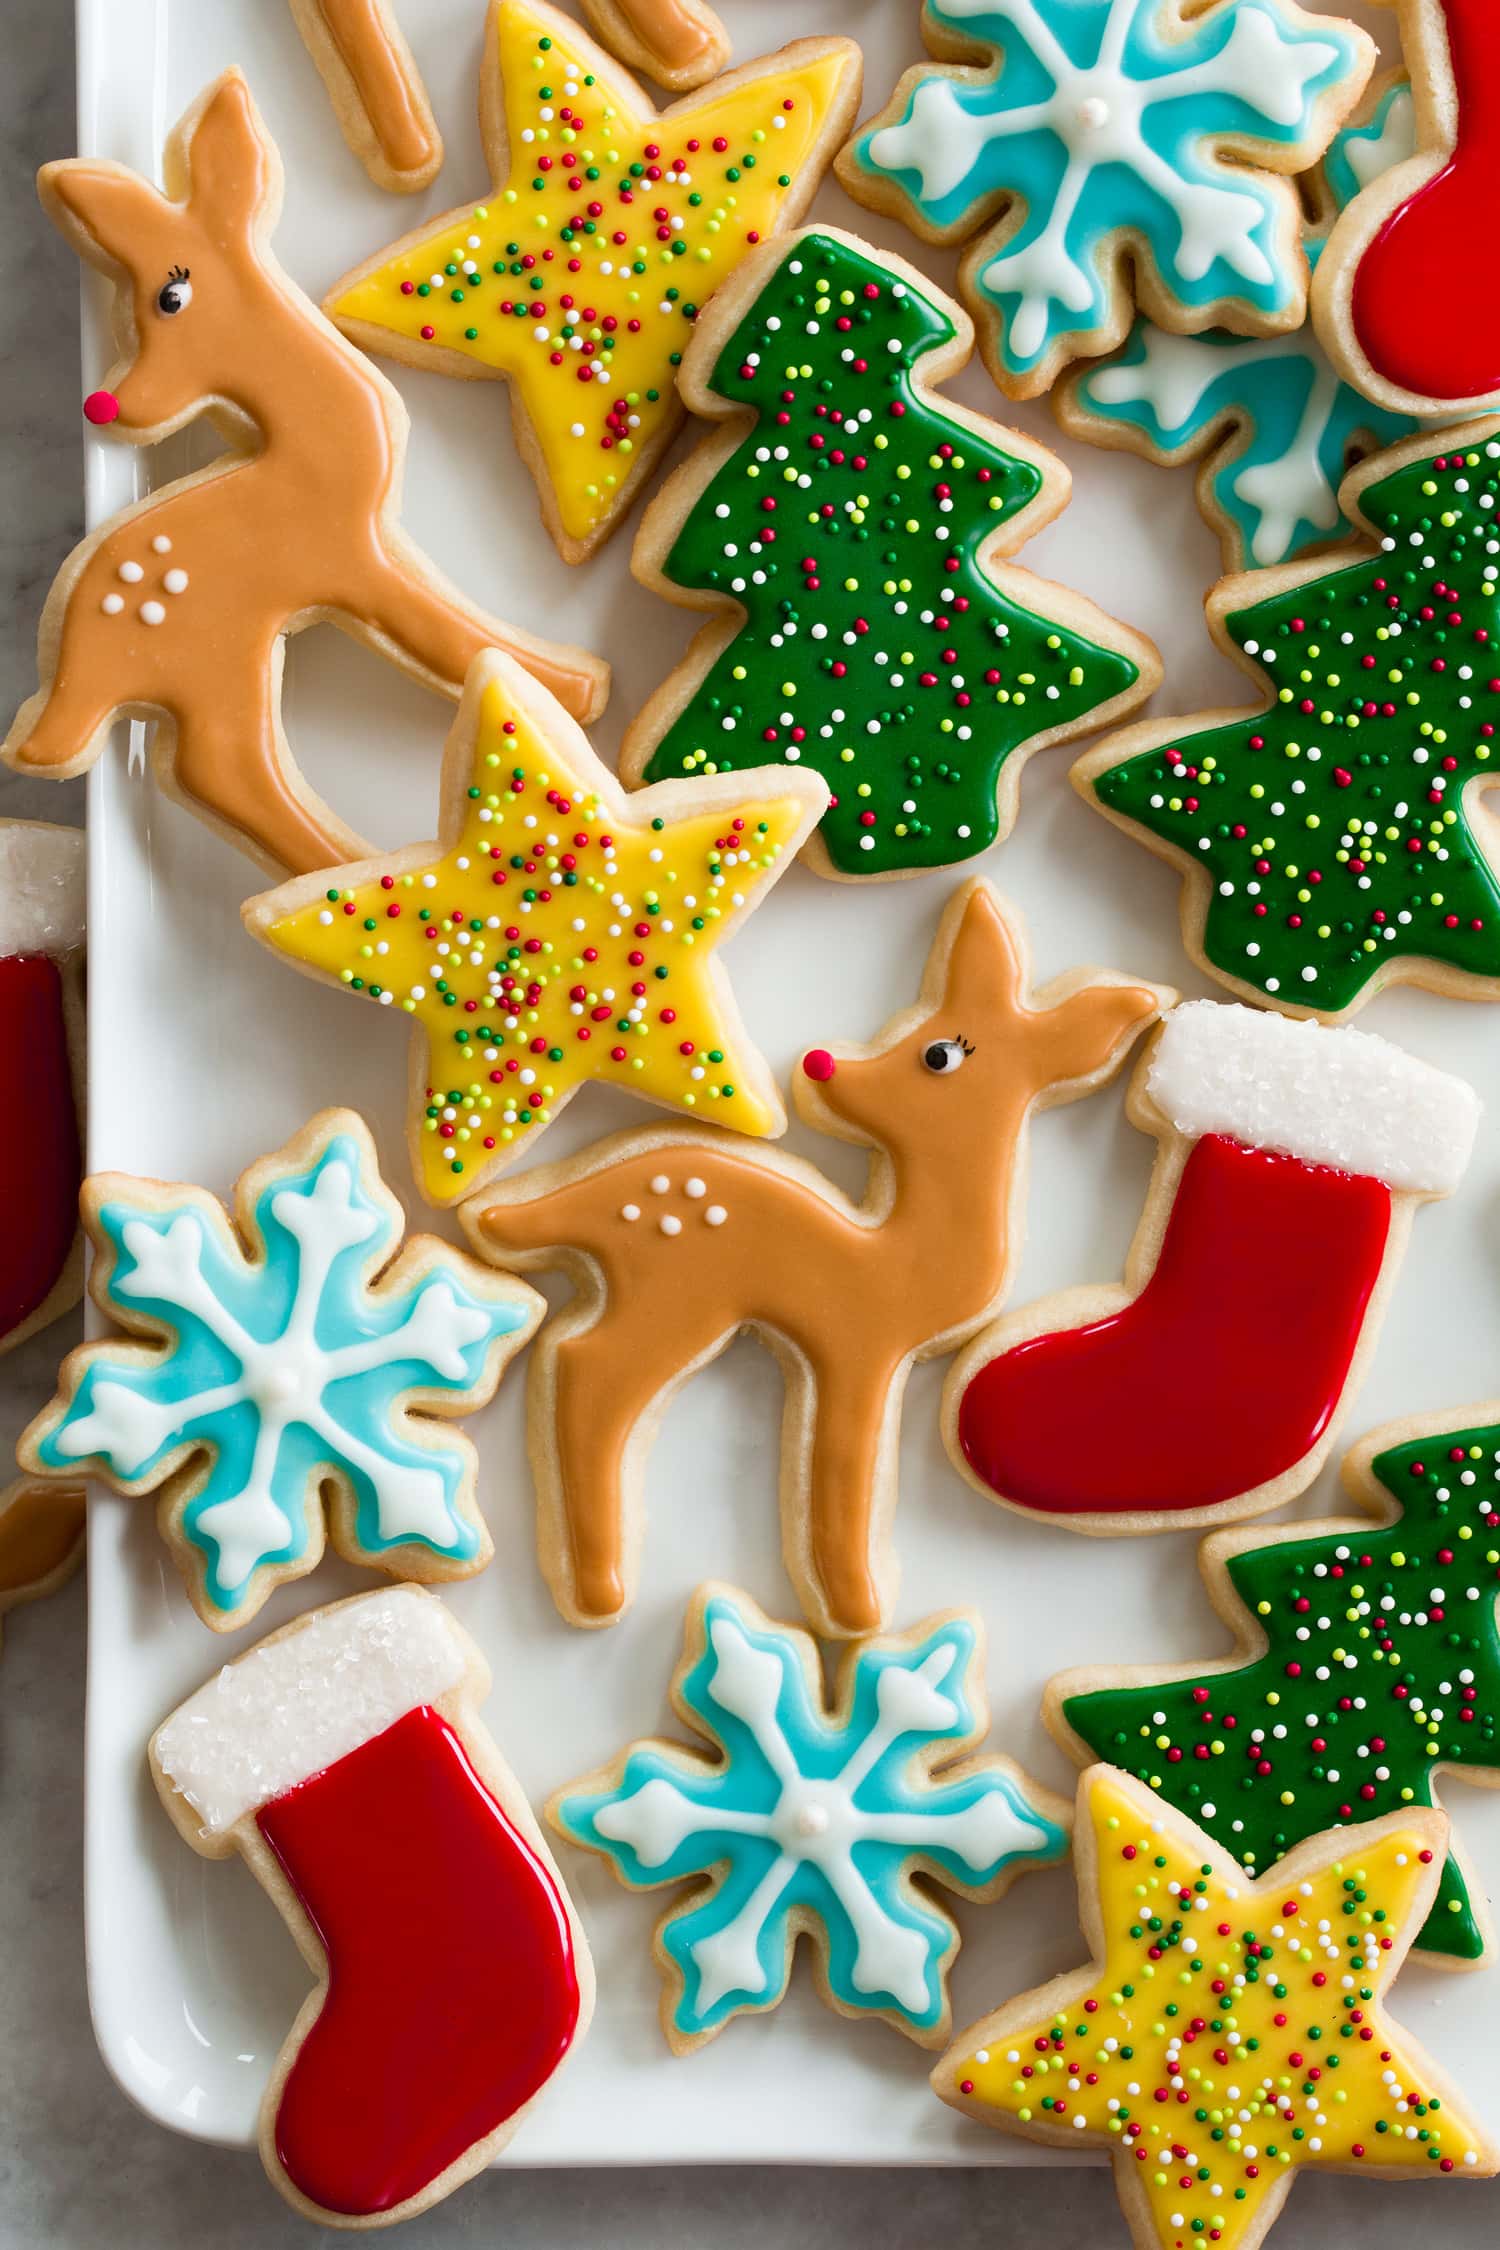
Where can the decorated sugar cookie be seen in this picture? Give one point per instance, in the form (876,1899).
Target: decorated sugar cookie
(1228,2032)
(1130,152)
(834,1818)
(1212,1384)
(679,1239)
(1270,421)
(176,610)
(579,275)
(344,1760)
(41,1540)
(375,87)
(1367,1664)
(42,909)
(285,1355)
(916,675)
(1335,839)
(1403,303)
(679,43)
(557,931)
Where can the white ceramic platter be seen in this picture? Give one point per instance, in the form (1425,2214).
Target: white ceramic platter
(206,1052)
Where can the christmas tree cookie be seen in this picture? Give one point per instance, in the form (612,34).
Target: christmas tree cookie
(1228,2033)
(579,275)
(1335,839)
(1366,1664)
(557,931)
(846,529)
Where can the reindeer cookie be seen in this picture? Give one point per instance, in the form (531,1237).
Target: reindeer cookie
(376,89)
(679,1239)
(176,610)
(41,1539)
(679,43)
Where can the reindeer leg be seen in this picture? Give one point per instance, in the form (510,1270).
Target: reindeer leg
(61,729)
(836,1512)
(437,635)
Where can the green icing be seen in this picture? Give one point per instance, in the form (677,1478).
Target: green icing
(848,524)
(1332,825)
(1382,1666)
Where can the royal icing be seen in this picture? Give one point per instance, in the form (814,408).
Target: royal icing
(811,1818)
(1368,1664)
(1328,831)
(1227,2033)
(1298,1146)
(41,1538)
(558,931)
(1269,417)
(42,883)
(687,1239)
(680,42)
(377,89)
(292,1359)
(580,276)
(1121,124)
(298,523)
(917,677)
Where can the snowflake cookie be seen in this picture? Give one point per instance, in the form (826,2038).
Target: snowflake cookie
(290,1354)
(1268,417)
(1127,151)
(833,1822)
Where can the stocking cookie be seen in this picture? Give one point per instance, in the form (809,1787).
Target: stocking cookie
(557,931)
(918,682)
(679,43)
(834,1819)
(287,1353)
(1276,2043)
(1269,420)
(578,276)
(1132,152)
(1367,1664)
(376,89)
(680,1239)
(42,886)
(344,1760)
(1402,301)
(41,1540)
(1212,1384)
(176,610)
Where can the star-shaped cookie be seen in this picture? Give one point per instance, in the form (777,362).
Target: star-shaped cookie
(1226,2032)
(580,274)
(559,930)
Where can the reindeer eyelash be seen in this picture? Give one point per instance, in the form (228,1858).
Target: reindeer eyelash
(180,273)
(960,1041)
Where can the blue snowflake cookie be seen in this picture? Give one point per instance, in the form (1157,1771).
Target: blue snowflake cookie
(835,1822)
(292,1354)
(1111,137)
(1269,417)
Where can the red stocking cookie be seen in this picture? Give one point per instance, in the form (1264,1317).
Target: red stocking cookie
(343,1759)
(41,1539)
(1213,1383)
(376,89)
(177,609)
(679,43)
(41,1061)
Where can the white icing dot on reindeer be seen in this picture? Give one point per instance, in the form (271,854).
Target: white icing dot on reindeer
(175,581)
(131,572)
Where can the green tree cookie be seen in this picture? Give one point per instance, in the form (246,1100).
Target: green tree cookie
(852,527)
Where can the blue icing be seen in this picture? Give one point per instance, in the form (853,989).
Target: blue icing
(810,1819)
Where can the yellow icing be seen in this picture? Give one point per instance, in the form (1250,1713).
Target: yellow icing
(564,934)
(1276,2070)
(713,206)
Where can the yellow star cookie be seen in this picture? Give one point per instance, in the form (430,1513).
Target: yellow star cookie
(559,930)
(608,226)
(1227,2032)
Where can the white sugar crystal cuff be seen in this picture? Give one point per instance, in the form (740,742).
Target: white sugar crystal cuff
(291,1708)
(42,888)
(1342,1098)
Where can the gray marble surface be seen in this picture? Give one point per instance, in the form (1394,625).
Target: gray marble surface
(78,2165)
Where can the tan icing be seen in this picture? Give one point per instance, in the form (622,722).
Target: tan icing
(298,522)
(691,1239)
(40,1526)
(384,79)
(673,32)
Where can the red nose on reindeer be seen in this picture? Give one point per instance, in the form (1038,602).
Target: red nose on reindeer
(819,1064)
(100,407)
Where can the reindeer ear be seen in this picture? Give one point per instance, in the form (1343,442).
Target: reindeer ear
(103,205)
(231,172)
(985,960)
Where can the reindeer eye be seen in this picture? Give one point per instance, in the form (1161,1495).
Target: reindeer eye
(175,296)
(944,1056)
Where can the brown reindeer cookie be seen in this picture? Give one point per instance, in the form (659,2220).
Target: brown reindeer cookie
(376,89)
(41,1539)
(177,609)
(680,1238)
(679,43)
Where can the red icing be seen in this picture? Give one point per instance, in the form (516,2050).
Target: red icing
(101,407)
(819,1064)
(1224,1371)
(452,1988)
(39,1155)
(1425,310)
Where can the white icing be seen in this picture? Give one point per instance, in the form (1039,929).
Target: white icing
(694,1187)
(43,888)
(715,1215)
(152,613)
(1342,1098)
(175,581)
(630,1211)
(291,1708)
(131,572)
(671,1224)
(161,544)
(660,1184)
(1369,154)
(112,604)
